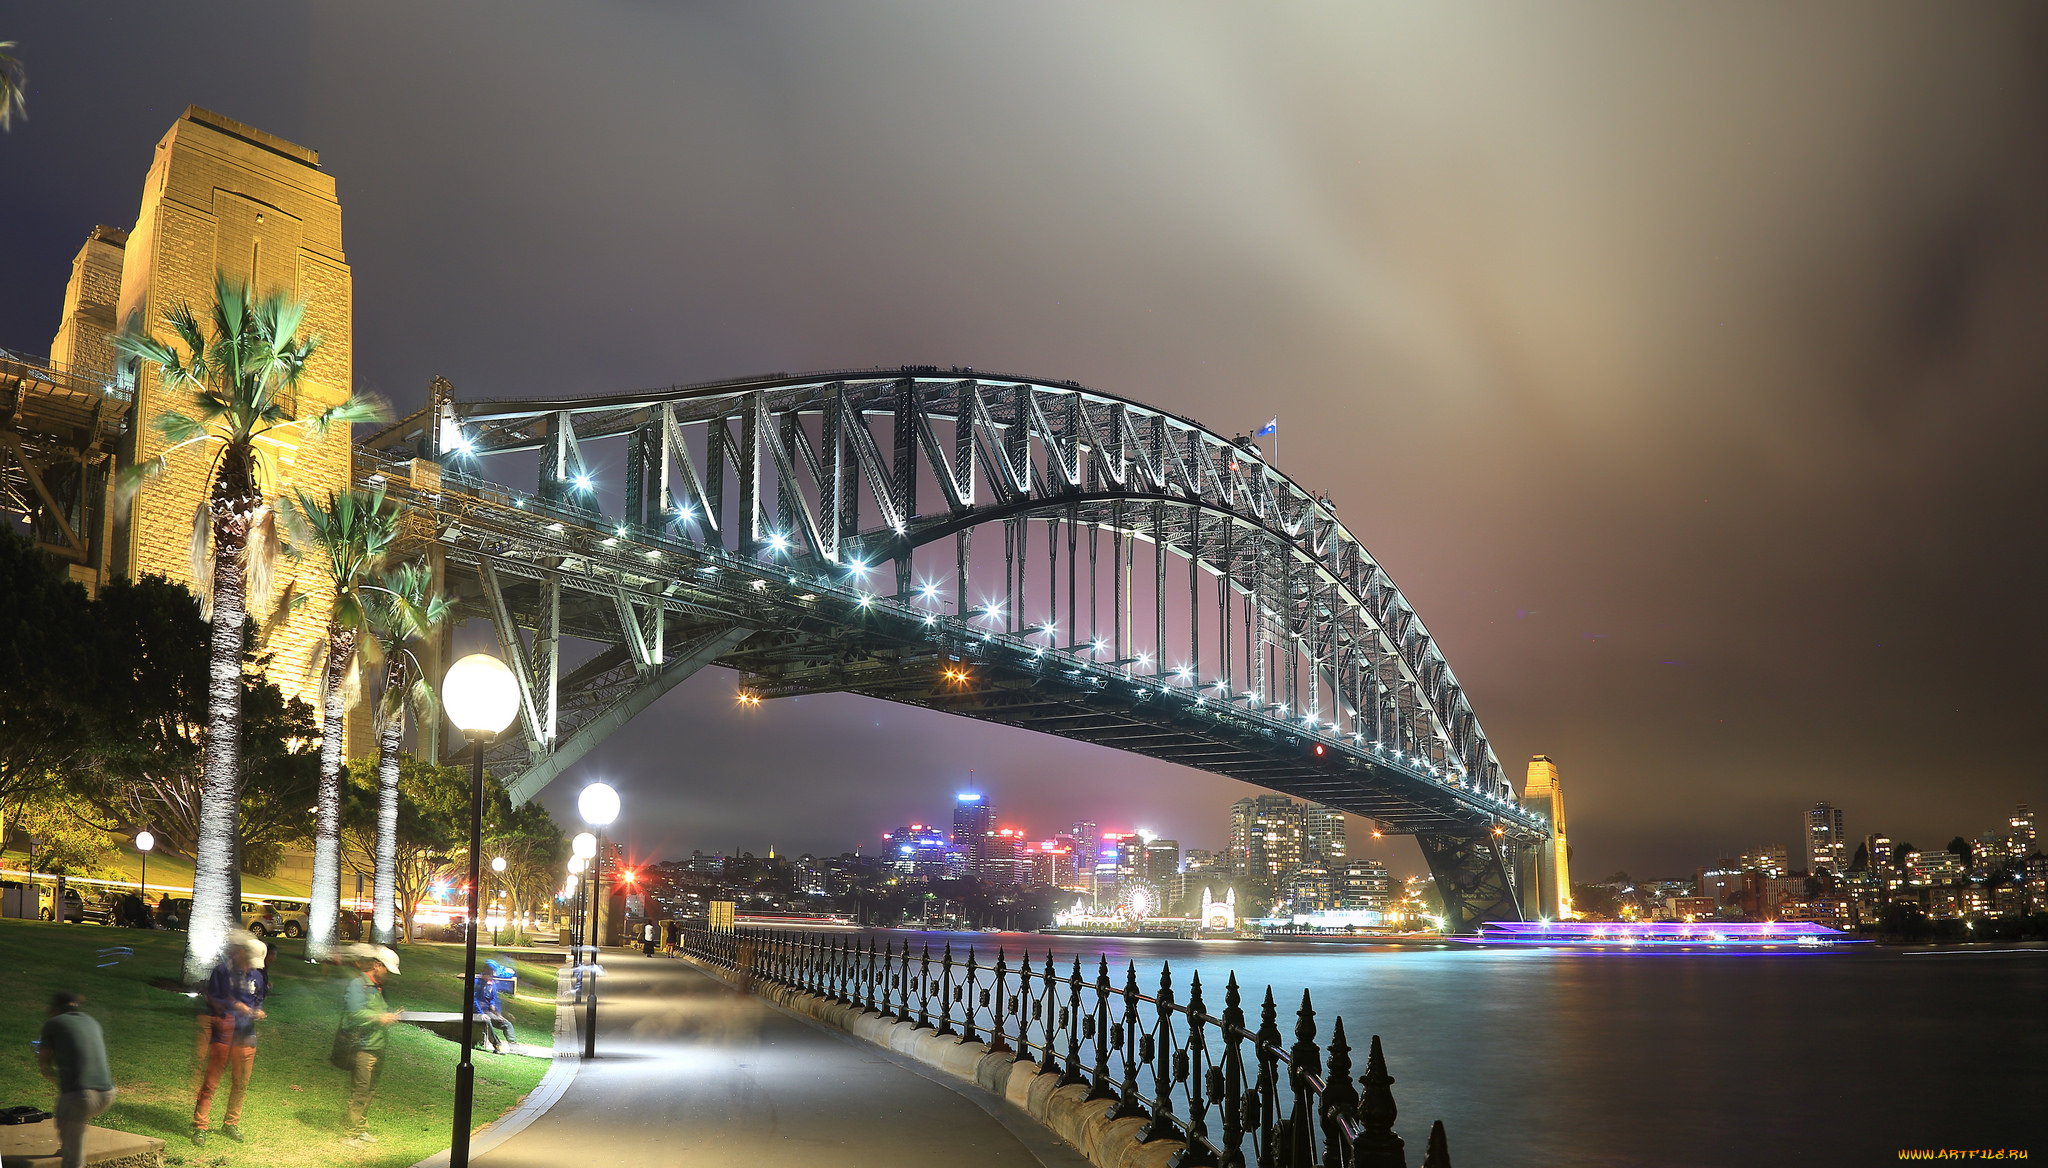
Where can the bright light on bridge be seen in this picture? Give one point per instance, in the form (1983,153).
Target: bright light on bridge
(582,482)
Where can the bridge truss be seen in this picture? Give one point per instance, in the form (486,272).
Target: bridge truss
(1160,588)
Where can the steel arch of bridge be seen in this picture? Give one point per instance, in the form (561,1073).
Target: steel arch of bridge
(758,519)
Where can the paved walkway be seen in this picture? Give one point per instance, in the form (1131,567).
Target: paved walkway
(691,1072)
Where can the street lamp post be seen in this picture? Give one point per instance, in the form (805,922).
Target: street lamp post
(144,841)
(583,851)
(599,805)
(481,698)
(498,866)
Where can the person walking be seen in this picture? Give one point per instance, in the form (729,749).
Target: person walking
(73,1051)
(234,999)
(366,1021)
(491,1012)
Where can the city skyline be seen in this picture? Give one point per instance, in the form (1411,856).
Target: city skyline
(1672,560)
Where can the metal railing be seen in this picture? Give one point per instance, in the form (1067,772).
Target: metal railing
(1235,1092)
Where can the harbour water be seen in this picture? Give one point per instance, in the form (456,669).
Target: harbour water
(1541,1058)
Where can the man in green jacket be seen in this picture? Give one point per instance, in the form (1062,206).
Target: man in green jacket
(74,1052)
(367,1019)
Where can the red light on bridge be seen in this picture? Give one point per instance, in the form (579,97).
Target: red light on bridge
(1319,750)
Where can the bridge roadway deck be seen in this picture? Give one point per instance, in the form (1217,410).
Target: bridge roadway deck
(691,1072)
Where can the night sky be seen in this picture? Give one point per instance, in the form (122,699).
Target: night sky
(1685,367)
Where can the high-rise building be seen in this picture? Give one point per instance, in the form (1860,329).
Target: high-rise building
(1827,850)
(918,849)
(1548,887)
(1083,837)
(1162,858)
(1364,884)
(1266,836)
(1878,847)
(1002,863)
(1198,860)
(2020,837)
(1322,835)
(974,827)
(1770,859)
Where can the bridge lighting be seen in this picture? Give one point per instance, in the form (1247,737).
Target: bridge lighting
(463,445)
(684,511)
(1185,672)
(1144,658)
(1319,750)
(1096,646)
(778,541)
(929,590)
(857,567)
(748,697)
(866,600)
(582,482)
(929,619)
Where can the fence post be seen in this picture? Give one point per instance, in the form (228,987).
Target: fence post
(1377,1146)
(924,981)
(867,974)
(946,991)
(1200,1074)
(1303,1060)
(1098,1027)
(997,1028)
(1168,1064)
(1439,1154)
(967,1011)
(1070,1017)
(1265,1095)
(1231,1101)
(1340,1099)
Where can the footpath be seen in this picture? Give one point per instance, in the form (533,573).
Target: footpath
(690,1071)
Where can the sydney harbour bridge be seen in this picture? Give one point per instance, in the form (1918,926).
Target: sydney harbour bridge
(1021,551)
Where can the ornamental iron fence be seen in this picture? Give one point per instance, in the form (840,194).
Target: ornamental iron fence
(1235,1092)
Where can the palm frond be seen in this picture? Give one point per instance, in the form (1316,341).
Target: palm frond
(259,559)
(355,409)
(130,481)
(202,558)
(13,87)
(177,428)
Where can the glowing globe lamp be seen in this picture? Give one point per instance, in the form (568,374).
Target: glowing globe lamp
(598,804)
(481,696)
(584,846)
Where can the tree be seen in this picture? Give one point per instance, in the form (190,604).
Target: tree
(149,668)
(429,822)
(237,379)
(13,87)
(533,846)
(1861,861)
(1960,848)
(406,609)
(348,537)
(42,715)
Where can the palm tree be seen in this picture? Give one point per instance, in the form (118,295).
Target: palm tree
(236,378)
(348,536)
(408,609)
(13,83)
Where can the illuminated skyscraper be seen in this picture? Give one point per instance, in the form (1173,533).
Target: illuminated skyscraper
(1549,891)
(1827,850)
(974,827)
(1265,836)
(1322,835)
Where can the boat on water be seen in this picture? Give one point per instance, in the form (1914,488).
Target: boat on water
(1662,935)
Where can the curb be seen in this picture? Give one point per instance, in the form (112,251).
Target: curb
(1067,1111)
(544,1094)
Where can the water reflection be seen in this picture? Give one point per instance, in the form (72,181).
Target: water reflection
(1537,1057)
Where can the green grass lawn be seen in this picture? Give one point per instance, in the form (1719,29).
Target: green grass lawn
(294,1114)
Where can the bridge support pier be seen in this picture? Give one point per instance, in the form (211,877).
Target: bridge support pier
(1473,878)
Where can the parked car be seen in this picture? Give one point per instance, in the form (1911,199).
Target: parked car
(174,912)
(349,927)
(294,914)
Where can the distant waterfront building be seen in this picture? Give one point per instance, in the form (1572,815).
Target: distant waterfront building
(1878,847)
(1310,888)
(1364,884)
(2020,836)
(1198,860)
(1084,838)
(1770,859)
(918,849)
(1548,884)
(1935,867)
(1003,865)
(1827,849)
(1162,859)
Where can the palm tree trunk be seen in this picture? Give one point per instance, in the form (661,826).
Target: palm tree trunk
(325,910)
(214,875)
(388,742)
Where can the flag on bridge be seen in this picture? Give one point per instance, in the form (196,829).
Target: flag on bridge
(1271,427)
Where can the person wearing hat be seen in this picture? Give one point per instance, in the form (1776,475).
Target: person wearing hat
(366,1020)
(234,1001)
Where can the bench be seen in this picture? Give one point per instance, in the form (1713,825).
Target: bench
(34,1145)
